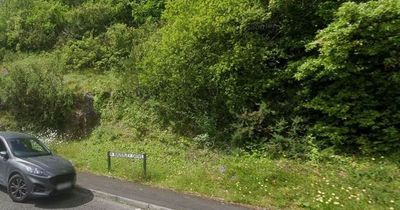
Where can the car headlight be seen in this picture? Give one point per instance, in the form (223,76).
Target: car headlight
(36,171)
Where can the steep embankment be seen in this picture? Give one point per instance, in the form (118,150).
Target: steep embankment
(281,103)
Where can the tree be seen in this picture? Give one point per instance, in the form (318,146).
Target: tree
(352,87)
(30,25)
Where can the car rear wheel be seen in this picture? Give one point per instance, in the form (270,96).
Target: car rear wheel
(17,188)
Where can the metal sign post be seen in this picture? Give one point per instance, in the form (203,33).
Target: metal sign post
(130,156)
(144,164)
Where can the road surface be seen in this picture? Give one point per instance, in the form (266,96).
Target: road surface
(80,199)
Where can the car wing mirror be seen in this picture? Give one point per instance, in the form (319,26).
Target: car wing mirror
(4,155)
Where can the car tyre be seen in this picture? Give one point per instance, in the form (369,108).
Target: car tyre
(18,188)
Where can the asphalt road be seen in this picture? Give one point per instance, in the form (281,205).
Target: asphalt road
(80,199)
(152,195)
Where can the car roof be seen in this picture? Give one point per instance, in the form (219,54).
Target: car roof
(12,135)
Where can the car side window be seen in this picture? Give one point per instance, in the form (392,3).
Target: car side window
(36,147)
(2,146)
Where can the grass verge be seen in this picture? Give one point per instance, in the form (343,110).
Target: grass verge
(340,182)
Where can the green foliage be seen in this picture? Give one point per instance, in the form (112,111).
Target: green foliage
(345,182)
(94,17)
(40,24)
(189,65)
(352,87)
(285,139)
(147,11)
(30,25)
(105,52)
(7,121)
(215,60)
(2,53)
(178,79)
(34,93)
(222,66)
(283,77)
(72,2)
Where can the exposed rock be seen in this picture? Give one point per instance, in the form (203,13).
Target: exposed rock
(84,117)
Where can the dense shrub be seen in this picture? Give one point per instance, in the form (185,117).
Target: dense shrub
(213,61)
(30,25)
(94,17)
(105,52)
(147,11)
(275,76)
(34,92)
(352,88)
(40,24)
(189,65)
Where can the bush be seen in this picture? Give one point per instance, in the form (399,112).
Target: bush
(283,137)
(351,88)
(147,11)
(103,53)
(191,65)
(94,17)
(30,25)
(35,94)
(214,61)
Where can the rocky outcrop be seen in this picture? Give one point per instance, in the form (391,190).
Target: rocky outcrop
(84,117)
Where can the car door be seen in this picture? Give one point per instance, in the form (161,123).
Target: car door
(2,163)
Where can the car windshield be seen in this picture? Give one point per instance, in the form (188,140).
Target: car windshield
(27,147)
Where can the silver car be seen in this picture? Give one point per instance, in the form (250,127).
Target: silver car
(29,169)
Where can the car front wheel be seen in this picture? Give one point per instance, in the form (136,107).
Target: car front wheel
(17,188)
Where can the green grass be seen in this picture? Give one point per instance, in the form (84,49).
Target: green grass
(341,182)
(90,81)
(177,163)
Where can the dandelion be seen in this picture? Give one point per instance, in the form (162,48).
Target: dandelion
(382,157)
(391,201)
(391,208)
(364,190)
(337,198)
(336,203)
(370,201)
(372,158)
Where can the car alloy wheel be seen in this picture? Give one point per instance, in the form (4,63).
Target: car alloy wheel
(17,188)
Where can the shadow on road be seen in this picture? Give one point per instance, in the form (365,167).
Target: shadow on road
(75,198)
